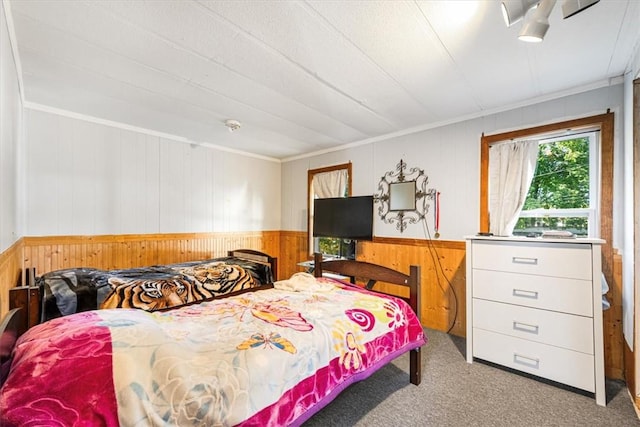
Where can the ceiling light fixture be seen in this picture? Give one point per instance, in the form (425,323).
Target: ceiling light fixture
(571,7)
(233,125)
(536,22)
(536,15)
(514,10)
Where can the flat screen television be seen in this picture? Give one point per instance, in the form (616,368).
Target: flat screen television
(344,217)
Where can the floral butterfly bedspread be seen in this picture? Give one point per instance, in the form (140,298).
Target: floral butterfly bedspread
(265,358)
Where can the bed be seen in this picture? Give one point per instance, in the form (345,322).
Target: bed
(265,357)
(62,292)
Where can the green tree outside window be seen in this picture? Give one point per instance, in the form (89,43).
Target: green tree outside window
(561,181)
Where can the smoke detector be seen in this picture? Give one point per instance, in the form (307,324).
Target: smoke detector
(233,125)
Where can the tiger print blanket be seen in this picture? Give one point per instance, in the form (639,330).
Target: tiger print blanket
(187,285)
(151,288)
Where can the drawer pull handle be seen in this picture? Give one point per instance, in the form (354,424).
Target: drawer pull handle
(525,293)
(531,362)
(525,327)
(521,260)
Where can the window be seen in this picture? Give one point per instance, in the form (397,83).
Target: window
(563,192)
(604,123)
(332,181)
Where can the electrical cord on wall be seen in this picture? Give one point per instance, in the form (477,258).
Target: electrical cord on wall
(436,260)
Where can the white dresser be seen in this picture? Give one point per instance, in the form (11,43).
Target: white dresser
(535,305)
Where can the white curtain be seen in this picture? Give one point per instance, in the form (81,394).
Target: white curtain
(329,184)
(511,169)
(323,186)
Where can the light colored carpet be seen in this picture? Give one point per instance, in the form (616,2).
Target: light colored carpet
(455,393)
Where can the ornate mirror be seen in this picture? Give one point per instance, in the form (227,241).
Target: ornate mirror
(403,195)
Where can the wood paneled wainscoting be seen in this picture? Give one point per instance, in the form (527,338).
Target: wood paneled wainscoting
(614,343)
(293,249)
(138,250)
(10,267)
(443,277)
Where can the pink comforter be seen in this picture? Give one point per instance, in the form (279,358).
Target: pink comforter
(270,357)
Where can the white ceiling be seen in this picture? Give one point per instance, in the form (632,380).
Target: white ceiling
(305,76)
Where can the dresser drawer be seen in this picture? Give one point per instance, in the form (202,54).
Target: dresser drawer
(546,327)
(569,367)
(546,259)
(549,293)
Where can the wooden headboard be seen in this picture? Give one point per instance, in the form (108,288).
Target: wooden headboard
(373,273)
(257,256)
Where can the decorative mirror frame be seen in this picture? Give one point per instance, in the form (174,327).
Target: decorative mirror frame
(403,217)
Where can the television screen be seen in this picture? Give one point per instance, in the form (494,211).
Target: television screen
(344,217)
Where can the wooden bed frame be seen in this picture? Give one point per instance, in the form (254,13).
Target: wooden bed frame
(10,327)
(374,273)
(15,324)
(28,298)
(371,273)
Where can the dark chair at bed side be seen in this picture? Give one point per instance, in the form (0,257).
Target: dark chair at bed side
(375,273)
(26,295)
(9,333)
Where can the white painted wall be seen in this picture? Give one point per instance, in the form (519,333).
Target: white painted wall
(10,140)
(629,219)
(91,178)
(450,156)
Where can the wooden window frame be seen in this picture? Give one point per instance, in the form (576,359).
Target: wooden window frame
(310,174)
(602,122)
